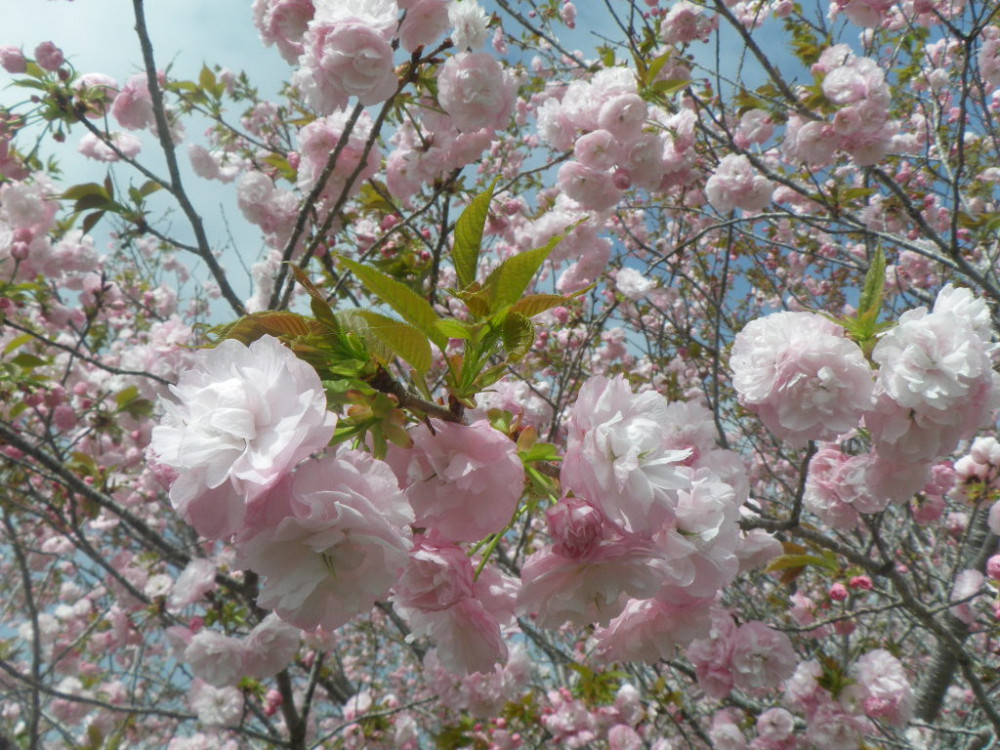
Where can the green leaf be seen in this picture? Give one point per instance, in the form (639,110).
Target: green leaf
(90,221)
(787,562)
(89,188)
(206,78)
(405,341)
(321,309)
(871,295)
(518,335)
(507,282)
(453,329)
(126,395)
(15,343)
(539,452)
(146,189)
(411,306)
(657,65)
(282,165)
(251,327)
(476,299)
(87,202)
(469,236)
(534,304)
(27,361)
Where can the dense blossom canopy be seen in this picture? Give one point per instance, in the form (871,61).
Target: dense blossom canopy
(615,376)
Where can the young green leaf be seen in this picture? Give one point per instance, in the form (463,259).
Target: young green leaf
(518,335)
(321,309)
(870,304)
(507,282)
(469,236)
(411,306)
(405,341)
(251,327)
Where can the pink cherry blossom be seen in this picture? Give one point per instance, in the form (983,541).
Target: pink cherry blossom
(425,22)
(762,659)
(215,658)
(196,580)
(475,91)
(216,707)
(12,59)
(133,106)
(237,428)
(801,375)
(320,138)
(344,60)
(283,23)
(617,456)
(270,647)
(650,630)
(49,56)
(469,21)
(886,690)
(331,542)
(735,184)
(462,481)
(437,576)
(685,22)
(125,144)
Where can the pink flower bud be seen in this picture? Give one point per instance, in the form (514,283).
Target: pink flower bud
(838,592)
(621,178)
(49,56)
(993,567)
(861,582)
(12,59)
(576,526)
(272,702)
(844,627)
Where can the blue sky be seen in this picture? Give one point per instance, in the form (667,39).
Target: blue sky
(98,36)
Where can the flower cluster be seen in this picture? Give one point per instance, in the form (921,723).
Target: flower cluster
(648,533)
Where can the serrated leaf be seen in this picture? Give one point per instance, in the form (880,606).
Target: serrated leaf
(355,328)
(870,304)
(787,562)
(476,299)
(76,192)
(453,329)
(87,202)
(507,282)
(468,236)
(27,361)
(405,341)
(126,395)
(518,335)
(657,65)
(90,221)
(251,327)
(413,308)
(669,86)
(321,309)
(17,342)
(206,78)
(534,304)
